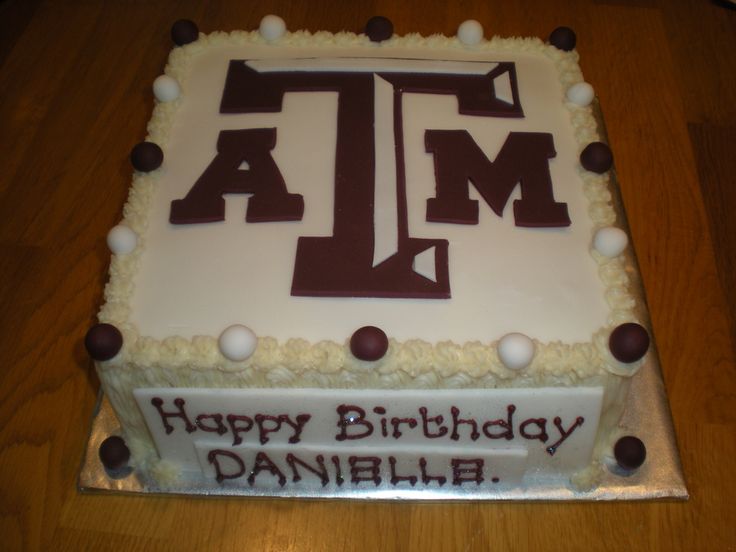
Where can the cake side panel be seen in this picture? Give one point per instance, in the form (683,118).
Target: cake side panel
(206,389)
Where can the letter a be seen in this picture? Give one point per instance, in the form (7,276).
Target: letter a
(270,201)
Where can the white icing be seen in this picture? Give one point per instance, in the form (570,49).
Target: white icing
(272,28)
(237,342)
(372,65)
(502,87)
(610,241)
(470,32)
(516,351)
(165,88)
(385,224)
(121,240)
(581,94)
(424,263)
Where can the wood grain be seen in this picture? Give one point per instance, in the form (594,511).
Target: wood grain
(75,89)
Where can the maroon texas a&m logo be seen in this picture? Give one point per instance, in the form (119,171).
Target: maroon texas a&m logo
(346,264)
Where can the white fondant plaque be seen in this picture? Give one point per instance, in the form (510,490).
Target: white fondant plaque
(343,437)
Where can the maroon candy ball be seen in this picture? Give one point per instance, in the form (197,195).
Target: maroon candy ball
(563,38)
(629,452)
(184,31)
(103,341)
(114,453)
(596,157)
(146,157)
(369,343)
(629,342)
(379,28)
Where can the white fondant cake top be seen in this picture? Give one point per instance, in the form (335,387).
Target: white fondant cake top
(198,279)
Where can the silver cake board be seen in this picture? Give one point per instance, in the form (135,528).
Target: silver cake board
(647,415)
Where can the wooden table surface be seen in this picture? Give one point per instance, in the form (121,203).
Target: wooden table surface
(75,95)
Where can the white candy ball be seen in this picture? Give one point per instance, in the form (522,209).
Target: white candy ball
(272,27)
(470,32)
(610,241)
(237,342)
(581,94)
(516,351)
(165,88)
(121,240)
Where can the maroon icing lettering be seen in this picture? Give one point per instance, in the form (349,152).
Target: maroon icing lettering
(468,470)
(320,472)
(384,421)
(437,420)
(523,160)
(218,428)
(264,463)
(180,413)
(345,420)
(541,424)
(341,265)
(297,426)
(564,434)
(507,425)
(395,479)
(339,479)
(366,469)
(396,422)
(457,421)
(354,424)
(427,478)
(270,200)
(213,457)
(232,420)
(368,465)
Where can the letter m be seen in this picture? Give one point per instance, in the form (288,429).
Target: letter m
(523,160)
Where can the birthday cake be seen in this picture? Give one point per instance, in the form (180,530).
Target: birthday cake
(360,263)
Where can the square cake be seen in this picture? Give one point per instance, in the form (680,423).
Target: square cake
(370,263)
